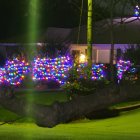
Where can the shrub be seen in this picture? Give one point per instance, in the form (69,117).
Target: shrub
(80,82)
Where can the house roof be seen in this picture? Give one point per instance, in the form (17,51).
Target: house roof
(126,31)
(57,35)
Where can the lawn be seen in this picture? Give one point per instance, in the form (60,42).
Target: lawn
(123,127)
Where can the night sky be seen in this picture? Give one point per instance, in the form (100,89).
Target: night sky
(14,15)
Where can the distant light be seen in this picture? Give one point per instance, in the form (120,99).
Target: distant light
(137,13)
(39,44)
(82,58)
(137,7)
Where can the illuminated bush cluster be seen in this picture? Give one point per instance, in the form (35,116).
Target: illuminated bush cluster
(55,69)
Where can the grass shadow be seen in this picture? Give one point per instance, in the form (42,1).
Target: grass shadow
(103,114)
(109,113)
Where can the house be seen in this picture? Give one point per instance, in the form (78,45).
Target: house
(126,31)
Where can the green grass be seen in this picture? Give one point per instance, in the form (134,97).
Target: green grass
(126,104)
(123,127)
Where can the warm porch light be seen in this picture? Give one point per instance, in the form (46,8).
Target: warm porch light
(82,58)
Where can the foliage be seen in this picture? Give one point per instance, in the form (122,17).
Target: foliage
(84,87)
(80,83)
(131,77)
(132,53)
(75,73)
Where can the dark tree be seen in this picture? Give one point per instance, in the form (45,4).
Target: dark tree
(132,53)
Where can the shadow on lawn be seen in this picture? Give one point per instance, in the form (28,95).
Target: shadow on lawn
(109,113)
(103,114)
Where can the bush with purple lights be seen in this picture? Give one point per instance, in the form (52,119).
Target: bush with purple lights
(122,66)
(97,73)
(51,69)
(14,72)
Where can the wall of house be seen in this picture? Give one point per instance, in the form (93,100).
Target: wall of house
(103,56)
(99,54)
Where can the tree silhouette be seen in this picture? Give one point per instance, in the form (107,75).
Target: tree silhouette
(132,53)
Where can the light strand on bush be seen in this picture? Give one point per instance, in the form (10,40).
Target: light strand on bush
(97,72)
(136,11)
(51,69)
(122,66)
(16,70)
(2,75)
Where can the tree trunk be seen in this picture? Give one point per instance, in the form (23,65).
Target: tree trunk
(49,116)
(89,33)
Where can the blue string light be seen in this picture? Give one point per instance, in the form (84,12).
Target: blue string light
(137,11)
